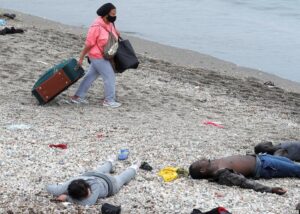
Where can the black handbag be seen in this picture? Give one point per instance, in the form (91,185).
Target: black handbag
(125,57)
(110,209)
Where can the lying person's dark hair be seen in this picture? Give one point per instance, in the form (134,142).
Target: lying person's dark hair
(265,147)
(194,173)
(199,169)
(78,189)
(286,149)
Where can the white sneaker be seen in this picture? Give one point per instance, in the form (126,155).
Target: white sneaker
(79,100)
(112,104)
(136,165)
(112,159)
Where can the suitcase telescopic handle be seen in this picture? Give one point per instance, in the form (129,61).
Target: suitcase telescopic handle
(77,67)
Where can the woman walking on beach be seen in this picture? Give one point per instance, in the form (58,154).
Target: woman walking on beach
(96,40)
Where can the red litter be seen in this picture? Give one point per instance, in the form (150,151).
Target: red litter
(60,146)
(213,124)
(100,135)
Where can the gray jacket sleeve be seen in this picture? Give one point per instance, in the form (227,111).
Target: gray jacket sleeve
(230,178)
(58,189)
(98,190)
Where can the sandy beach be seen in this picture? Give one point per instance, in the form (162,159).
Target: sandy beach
(165,102)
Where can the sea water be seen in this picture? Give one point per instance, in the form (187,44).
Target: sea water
(261,34)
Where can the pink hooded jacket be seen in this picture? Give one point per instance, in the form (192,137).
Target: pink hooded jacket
(97,37)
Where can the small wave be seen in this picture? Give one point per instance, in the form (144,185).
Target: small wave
(292,15)
(133,33)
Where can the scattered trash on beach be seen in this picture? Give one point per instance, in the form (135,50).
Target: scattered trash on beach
(45,63)
(219,195)
(10,15)
(60,146)
(110,209)
(123,154)
(168,173)
(2,22)
(100,135)
(217,210)
(60,151)
(213,124)
(61,162)
(21,126)
(182,172)
(146,166)
(11,30)
(171,173)
(270,84)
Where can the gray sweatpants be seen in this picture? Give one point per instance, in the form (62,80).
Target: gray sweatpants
(119,180)
(99,67)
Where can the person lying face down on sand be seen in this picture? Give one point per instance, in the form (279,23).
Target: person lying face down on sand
(289,150)
(233,170)
(88,187)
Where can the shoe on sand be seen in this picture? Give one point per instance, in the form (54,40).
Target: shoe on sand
(78,100)
(112,104)
(146,166)
(136,165)
(112,159)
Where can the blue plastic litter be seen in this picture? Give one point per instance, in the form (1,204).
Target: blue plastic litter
(123,154)
(2,22)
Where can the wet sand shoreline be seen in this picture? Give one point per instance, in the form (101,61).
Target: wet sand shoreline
(177,56)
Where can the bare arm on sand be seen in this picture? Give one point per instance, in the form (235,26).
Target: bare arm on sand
(230,178)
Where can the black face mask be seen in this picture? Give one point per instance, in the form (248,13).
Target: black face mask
(111,19)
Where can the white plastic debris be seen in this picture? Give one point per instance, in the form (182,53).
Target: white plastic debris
(18,127)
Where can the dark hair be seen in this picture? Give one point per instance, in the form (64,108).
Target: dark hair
(264,147)
(78,189)
(105,9)
(195,170)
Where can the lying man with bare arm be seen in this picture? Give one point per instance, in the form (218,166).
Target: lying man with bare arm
(235,171)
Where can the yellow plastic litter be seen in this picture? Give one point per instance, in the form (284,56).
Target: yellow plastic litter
(168,173)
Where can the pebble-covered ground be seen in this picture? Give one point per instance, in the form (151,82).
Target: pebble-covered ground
(161,122)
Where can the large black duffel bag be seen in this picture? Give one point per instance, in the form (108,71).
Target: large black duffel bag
(125,57)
